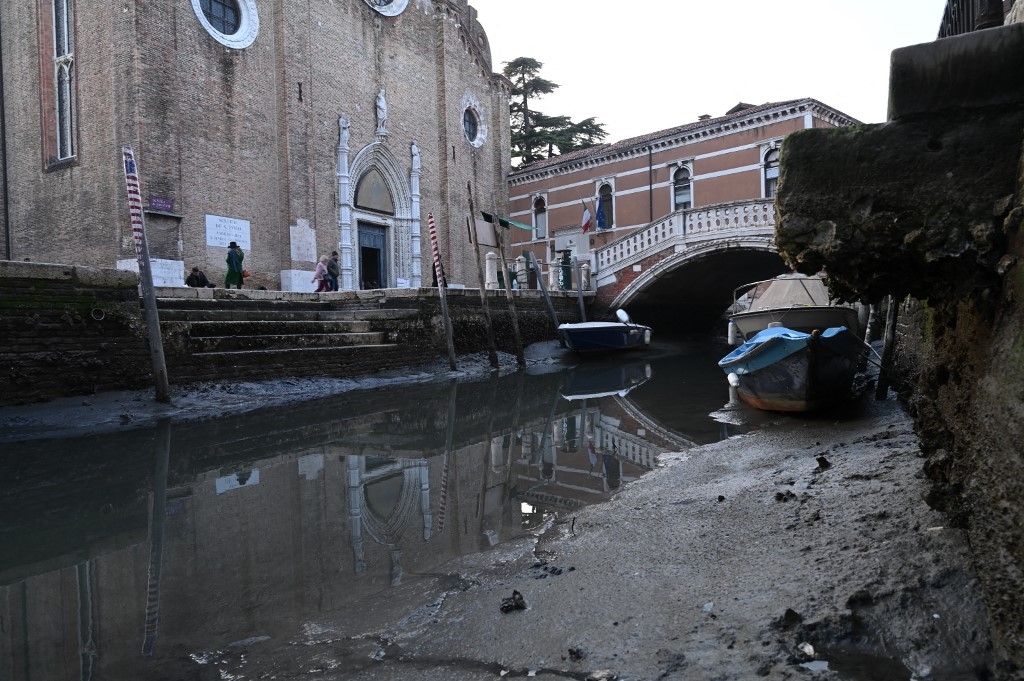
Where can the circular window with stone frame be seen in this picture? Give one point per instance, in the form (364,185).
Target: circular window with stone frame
(232,23)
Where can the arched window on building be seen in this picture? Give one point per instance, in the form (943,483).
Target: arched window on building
(64,75)
(540,218)
(681,191)
(771,173)
(605,215)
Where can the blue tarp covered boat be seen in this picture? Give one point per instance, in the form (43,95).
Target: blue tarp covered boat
(780,369)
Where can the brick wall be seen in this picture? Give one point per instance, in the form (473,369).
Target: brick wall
(72,330)
(67,330)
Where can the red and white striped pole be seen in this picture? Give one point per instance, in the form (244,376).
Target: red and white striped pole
(434,249)
(156,345)
(442,291)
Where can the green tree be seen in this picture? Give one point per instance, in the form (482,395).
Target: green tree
(536,136)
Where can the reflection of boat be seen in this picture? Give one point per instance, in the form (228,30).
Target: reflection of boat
(793,301)
(780,369)
(593,381)
(593,337)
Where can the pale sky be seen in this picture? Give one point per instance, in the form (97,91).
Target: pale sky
(648,65)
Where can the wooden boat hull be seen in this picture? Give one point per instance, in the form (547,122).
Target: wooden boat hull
(602,337)
(781,369)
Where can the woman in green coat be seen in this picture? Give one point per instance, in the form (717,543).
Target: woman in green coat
(234,261)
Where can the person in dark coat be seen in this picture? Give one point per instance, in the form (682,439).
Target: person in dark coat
(234,261)
(198,279)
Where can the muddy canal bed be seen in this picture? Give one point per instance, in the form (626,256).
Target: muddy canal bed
(800,548)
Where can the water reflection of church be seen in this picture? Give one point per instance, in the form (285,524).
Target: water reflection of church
(359,504)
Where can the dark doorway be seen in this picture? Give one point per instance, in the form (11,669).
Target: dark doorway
(373,263)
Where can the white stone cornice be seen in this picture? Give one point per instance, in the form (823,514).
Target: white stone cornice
(774,115)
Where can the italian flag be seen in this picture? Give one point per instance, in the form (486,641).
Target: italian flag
(587,221)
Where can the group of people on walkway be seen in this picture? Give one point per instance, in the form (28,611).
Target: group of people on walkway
(326,276)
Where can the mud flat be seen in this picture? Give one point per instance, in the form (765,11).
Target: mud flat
(804,550)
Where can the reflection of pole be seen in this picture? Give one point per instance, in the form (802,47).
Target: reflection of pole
(492,346)
(156,534)
(355,515)
(156,344)
(442,289)
(449,435)
(86,643)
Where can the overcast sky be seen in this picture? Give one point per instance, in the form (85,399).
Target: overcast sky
(647,65)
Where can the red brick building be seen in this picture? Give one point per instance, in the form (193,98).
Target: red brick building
(629,184)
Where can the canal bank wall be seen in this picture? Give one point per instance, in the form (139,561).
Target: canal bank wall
(69,330)
(936,226)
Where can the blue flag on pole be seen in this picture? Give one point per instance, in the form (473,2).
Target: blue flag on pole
(600,216)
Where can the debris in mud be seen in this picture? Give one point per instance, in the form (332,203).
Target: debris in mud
(784,496)
(513,602)
(541,569)
(602,675)
(577,654)
(789,619)
(823,463)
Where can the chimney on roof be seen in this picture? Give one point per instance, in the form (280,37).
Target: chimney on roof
(704,117)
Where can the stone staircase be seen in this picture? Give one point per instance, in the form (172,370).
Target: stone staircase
(212,334)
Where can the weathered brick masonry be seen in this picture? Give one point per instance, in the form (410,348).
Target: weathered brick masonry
(70,330)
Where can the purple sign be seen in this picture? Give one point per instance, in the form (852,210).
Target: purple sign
(161,203)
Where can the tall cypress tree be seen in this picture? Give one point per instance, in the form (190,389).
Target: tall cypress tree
(536,136)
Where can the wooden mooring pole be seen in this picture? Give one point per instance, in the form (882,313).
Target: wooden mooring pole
(156,342)
(520,358)
(492,347)
(442,291)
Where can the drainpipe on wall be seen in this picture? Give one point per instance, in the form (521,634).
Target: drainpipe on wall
(650,183)
(3,153)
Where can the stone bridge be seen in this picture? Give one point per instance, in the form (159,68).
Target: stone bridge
(679,272)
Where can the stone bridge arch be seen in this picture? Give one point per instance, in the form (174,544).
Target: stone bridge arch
(688,289)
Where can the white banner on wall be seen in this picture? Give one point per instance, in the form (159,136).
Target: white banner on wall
(220,231)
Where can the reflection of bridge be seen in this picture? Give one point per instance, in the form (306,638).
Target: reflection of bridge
(683,268)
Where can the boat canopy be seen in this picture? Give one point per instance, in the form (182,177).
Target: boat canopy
(791,292)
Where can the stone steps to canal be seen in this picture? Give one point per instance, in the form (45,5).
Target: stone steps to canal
(213,334)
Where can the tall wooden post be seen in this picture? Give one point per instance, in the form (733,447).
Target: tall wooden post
(885,372)
(520,358)
(543,288)
(579,287)
(156,343)
(442,292)
(492,347)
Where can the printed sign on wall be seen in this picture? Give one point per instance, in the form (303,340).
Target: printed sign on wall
(220,231)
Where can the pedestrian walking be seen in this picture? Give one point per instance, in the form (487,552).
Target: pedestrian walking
(320,275)
(235,268)
(333,270)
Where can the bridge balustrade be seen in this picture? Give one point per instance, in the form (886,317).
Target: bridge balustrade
(720,221)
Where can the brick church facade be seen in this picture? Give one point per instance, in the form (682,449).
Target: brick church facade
(292,129)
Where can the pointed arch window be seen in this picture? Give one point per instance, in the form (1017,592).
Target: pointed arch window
(771,173)
(682,196)
(56,40)
(540,218)
(372,193)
